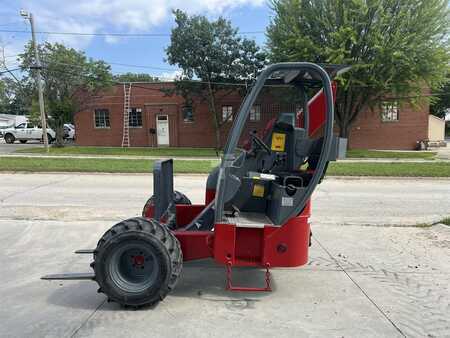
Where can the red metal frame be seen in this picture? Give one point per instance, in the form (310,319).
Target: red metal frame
(276,246)
(264,247)
(317,109)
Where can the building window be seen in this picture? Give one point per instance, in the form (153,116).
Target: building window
(135,117)
(255,113)
(102,118)
(227,113)
(389,111)
(188,114)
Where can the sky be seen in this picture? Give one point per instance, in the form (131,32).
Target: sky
(121,16)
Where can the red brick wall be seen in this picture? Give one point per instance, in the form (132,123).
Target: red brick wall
(370,132)
(152,101)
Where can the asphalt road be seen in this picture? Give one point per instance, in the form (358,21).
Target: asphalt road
(369,275)
(6,148)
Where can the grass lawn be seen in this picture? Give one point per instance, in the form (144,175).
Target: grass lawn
(98,165)
(205,152)
(438,169)
(118,151)
(364,153)
(446,221)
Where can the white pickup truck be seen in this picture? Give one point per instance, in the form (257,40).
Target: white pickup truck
(25,132)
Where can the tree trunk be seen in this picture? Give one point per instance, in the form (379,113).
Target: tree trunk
(344,129)
(344,112)
(59,142)
(218,139)
(212,108)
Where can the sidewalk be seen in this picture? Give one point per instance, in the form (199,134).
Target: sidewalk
(443,153)
(185,158)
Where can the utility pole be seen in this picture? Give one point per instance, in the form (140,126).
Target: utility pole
(38,68)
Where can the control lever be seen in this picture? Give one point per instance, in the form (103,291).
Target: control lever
(260,143)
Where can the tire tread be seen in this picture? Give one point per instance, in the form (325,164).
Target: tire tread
(152,228)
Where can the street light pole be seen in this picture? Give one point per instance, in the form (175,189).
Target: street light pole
(38,68)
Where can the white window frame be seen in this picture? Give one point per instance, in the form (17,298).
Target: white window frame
(183,111)
(105,125)
(134,111)
(227,113)
(255,113)
(390,111)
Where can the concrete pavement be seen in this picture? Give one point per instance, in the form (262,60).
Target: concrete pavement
(443,153)
(361,280)
(112,197)
(8,150)
(214,159)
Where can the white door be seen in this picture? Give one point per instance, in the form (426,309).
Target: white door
(21,131)
(29,131)
(162,130)
(36,133)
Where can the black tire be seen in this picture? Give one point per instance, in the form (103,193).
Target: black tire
(131,246)
(23,141)
(9,138)
(50,139)
(178,197)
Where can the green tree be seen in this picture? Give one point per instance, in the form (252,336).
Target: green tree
(396,47)
(67,75)
(441,104)
(15,97)
(213,53)
(34,115)
(135,77)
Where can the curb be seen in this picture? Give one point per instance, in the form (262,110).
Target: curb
(327,177)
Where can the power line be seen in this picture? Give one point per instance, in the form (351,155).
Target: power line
(239,84)
(140,66)
(113,63)
(231,84)
(121,64)
(109,34)
(9,70)
(235,84)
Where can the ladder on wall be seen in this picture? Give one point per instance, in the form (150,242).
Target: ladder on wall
(126,114)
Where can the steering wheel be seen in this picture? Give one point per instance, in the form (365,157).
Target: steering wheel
(260,143)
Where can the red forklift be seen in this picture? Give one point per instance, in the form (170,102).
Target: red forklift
(257,201)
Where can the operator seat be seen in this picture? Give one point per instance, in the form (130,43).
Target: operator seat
(262,170)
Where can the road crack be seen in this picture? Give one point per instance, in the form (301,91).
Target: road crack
(74,333)
(361,289)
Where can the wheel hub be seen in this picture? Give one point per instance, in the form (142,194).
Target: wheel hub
(138,260)
(134,267)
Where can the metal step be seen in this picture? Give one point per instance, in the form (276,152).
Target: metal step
(70,276)
(85,251)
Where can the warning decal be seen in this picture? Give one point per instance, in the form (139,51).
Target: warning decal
(278,141)
(258,190)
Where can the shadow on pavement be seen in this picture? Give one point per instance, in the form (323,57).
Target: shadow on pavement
(203,280)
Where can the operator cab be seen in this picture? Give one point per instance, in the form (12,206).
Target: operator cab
(269,178)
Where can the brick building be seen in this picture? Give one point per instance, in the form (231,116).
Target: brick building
(156,119)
